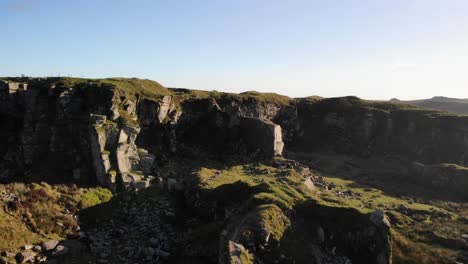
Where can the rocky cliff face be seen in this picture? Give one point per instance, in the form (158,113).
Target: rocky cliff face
(98,127)
(46,125)
(114,129)
(353,126)
(120,133)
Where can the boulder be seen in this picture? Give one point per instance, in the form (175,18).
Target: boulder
(37,248)
(304,171)
(261,134)
(60,251)
(7,254)
(379,219)
(309,183)
(26,247)
(24,257)
(49,245)
(238,254)
(131,178)
(140,185)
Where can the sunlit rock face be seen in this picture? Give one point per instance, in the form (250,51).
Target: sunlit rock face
(220,154)
(97,128)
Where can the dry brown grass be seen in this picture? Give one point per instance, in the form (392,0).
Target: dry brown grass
(406,251)
(41,212)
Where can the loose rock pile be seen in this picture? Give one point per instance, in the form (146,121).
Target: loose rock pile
(140,234)
(36,253)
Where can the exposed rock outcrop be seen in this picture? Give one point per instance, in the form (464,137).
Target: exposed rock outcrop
(102,135)
(49,118)
(364,128)
(261,134)
(95,126)
(441,177)
(119,132)
(11,87)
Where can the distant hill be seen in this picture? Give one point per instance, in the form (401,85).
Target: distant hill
(453,105)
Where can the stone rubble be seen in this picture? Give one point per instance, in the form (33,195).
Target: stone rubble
(138,234)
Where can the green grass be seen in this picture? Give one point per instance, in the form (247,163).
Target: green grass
(376,105)
(212,178)
(152,90)
(147,88)
(127,86)
(355,104)
(261,221)
(265,97)
(94,197)
(284,191)
(415,229)
(370,198)
(271,218)
(418,237)
(249,95)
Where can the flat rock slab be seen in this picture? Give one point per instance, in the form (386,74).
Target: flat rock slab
(50,245)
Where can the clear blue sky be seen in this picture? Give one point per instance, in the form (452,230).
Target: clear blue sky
(374,49)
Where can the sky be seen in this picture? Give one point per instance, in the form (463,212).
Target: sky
(374,49)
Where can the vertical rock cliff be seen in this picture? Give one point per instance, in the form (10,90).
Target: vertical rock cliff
(113,128)
(224,158)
